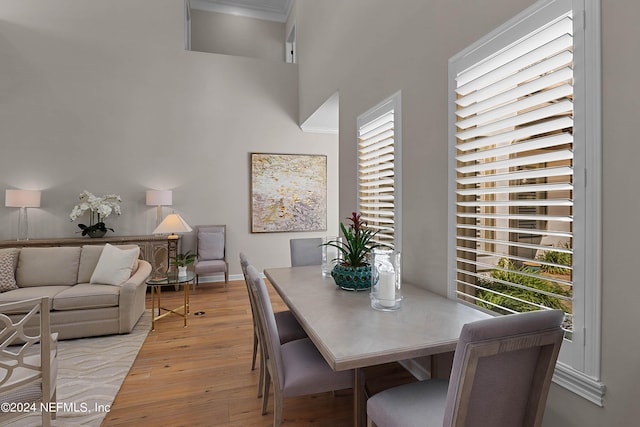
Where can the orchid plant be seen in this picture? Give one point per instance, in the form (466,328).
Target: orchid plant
(99,209)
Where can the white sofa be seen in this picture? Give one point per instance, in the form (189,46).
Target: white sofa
(79,306)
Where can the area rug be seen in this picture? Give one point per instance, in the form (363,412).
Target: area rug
(90,373)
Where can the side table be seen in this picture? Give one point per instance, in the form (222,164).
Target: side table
(156,285)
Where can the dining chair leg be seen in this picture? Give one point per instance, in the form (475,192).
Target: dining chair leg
(265,392)
(263,373)
(277,408)
(255,349)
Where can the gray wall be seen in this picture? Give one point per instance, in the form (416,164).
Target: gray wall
(339,46)
(101,96)
(236,35)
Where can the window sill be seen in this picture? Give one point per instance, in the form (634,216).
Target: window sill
(579,383)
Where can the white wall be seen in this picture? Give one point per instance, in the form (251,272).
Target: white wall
(237,35)
(338,46)
(101,96)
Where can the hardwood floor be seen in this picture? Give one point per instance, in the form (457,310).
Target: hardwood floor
(201,376)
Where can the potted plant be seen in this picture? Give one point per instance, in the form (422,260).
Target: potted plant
(182,261)
(353,272)
(99,209)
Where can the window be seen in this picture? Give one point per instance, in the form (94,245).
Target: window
(379,183)
(524,177)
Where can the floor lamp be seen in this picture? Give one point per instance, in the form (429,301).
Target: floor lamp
(22,199)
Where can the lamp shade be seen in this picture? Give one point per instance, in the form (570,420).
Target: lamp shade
(159,197)
(173,223)
(22,198)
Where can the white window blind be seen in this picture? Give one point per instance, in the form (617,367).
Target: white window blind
(378,179)
(514,175)
(524,176)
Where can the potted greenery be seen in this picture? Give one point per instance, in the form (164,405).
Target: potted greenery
(182,261)
(99,208)
(353,272)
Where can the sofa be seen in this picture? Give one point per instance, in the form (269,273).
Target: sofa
(93,290)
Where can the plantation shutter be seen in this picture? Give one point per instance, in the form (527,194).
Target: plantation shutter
(514,174)
(376,167)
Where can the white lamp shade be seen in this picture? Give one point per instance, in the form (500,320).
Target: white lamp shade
(159,197)
(173,223)
(22,198)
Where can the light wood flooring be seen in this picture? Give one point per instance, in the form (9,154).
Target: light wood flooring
(201,375)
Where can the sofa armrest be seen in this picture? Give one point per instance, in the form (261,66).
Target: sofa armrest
(132,297)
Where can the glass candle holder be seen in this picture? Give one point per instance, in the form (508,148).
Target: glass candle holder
(330,254)
(386,291)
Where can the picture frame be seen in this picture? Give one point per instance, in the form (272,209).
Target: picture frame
(288,192)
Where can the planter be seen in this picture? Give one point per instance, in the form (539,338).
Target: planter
(96,233)
(182,271)
(352,278)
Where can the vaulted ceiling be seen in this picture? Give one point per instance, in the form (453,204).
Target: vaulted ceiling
(272,10)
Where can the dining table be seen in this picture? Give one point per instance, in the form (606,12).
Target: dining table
(350,334)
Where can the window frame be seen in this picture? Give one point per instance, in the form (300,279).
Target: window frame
(393,103)
(578,367)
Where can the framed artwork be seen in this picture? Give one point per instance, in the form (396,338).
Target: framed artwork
(288,192)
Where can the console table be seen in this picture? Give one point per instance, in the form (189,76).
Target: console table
(153,248)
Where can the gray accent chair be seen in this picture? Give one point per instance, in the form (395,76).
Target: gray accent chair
(501,374)
(211,252)
(296,368)
(306,251)
(27,376)
(288,327)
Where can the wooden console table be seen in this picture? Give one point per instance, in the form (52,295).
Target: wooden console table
(153,248)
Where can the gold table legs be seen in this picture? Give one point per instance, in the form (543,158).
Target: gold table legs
(156,292)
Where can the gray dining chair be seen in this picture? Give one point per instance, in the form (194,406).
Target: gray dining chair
(288,327)
(211,251)
(501,374)
(296,368)
(306,251)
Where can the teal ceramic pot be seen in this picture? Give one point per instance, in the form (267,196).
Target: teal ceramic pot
(352,278)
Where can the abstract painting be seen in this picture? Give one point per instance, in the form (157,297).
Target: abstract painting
(288,192)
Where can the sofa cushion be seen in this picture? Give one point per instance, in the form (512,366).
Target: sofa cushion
(115,265)
(7,271)
(89,259)
(21,294)
(48,266)
(85,296)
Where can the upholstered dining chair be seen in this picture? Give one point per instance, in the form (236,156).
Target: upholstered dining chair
(296,368)
(306,251)
(288,327)
(27,373)
(502,370)
(211,254)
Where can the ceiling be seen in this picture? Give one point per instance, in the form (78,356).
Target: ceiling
(271,10)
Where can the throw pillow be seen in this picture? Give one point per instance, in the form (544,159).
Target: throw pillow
(210,245)
(115,265)
(7,273)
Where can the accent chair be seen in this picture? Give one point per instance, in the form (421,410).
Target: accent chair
(211,254)
(28,373)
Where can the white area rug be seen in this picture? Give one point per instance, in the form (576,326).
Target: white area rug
(90,373)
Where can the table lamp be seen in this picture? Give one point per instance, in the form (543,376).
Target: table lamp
(22,199)
(159,198)
(172,224)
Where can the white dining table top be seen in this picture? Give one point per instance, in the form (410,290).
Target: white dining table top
(351,334)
